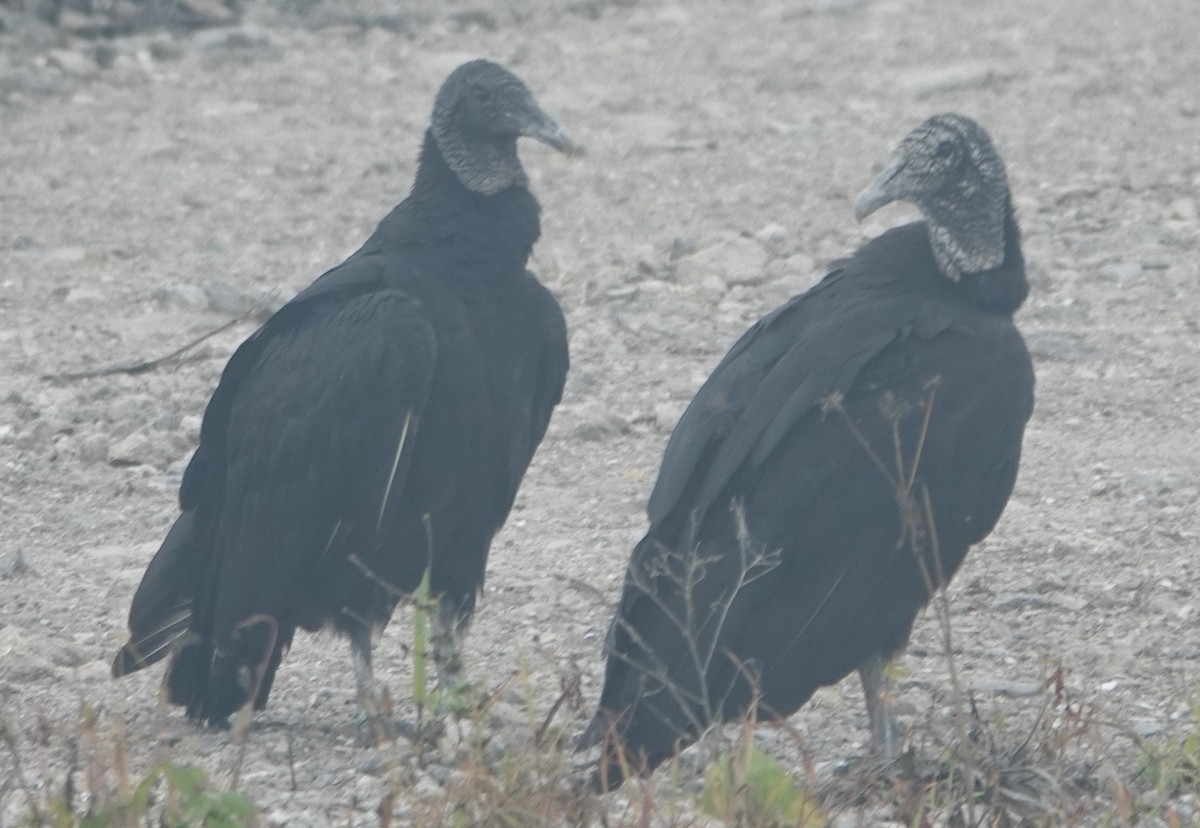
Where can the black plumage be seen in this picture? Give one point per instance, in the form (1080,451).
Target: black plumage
(378,424)
(832,471)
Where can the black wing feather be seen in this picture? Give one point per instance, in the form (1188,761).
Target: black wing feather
(778,493)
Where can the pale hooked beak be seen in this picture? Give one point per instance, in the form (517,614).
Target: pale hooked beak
(543,128)
(878,193)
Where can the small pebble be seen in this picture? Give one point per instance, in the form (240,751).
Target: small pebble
(1020,600)
(134,450)
(183,296)
(1005,687)
(1122,271)
(72,62)
(93,448)
(1184,209)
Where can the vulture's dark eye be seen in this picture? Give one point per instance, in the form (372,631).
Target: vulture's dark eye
(482,94)
(944,151)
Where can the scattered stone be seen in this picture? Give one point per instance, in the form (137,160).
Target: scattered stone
(299,819)
(93,448)
(134,450)
(65,256)
(592,420)
(1062,346)
(72,62)
(667,414)
(83,295)
(1153,483)
(248,40)
(189,427)
(971,75)
(182,296)
(105,54)
(1148,729)
(473,18)
(49,426)
(46,11)
(15,566)
(773,237)
(85,25)
(736,260)
(30,81)
(622,292)
(165,49)
(1075,603)
(1020,601)
(205,12)
(27,655)
(1185,209)
(840,6)
(802,265)
(1005,687)
(1166,605)
(1122,271)
(681,246)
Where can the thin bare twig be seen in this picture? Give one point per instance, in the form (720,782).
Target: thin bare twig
(177,357)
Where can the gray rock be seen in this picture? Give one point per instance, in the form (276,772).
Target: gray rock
(182,296)
(72,62)
(1063,346)
(1146,729)
(667,414)
(189,427)
(84,296)
(1185,209)
(1005,687)
(93,448)
(1157,482)
(164,49)
(247,38)
(134,450)
(592,420)
(28,655)
(1020,600)
(15,565)
(969,75)
(733,260)
(49,425)
(682,245)
(31,81)
(1122,271)
(773,237)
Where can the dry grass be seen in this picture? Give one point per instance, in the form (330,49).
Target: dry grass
(1070,767)
(1062,764)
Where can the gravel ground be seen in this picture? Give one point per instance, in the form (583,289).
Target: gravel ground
(154,186)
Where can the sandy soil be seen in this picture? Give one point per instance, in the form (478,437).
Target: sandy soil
(145,203)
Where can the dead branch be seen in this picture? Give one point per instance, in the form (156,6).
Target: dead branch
(179,356)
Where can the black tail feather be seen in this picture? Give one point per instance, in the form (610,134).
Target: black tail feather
(213,682)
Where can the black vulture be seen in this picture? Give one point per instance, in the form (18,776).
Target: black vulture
(376,426)
(832,472)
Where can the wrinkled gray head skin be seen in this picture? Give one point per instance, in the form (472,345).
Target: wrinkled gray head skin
(480,111)
(950,170)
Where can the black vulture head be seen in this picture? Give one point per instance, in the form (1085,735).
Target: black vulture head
(480,111)
(950,170)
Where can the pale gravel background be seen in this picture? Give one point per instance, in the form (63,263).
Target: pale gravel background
(245,163)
